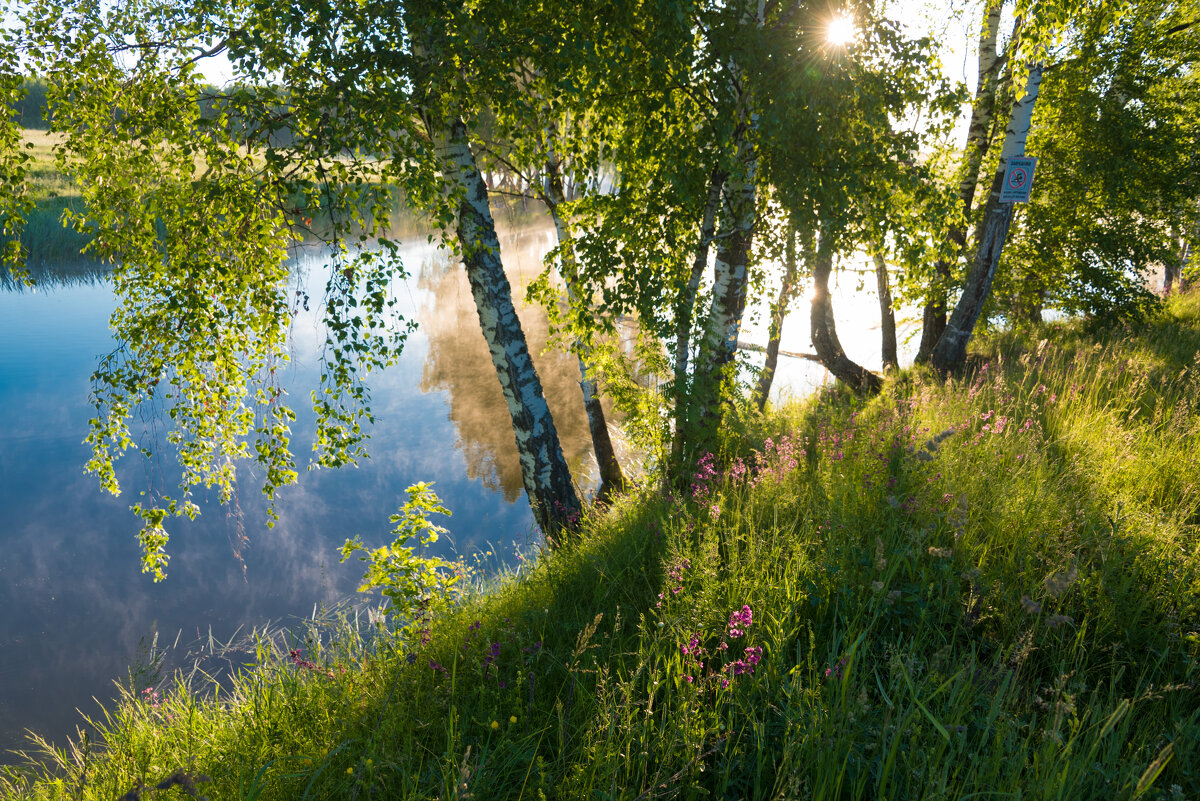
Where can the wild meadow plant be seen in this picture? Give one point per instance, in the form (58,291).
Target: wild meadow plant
(983,586)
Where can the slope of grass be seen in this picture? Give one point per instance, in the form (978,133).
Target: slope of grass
(982,587)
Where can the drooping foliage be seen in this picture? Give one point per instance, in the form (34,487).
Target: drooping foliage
(666,134)
(189,198)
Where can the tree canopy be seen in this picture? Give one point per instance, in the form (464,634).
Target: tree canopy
(682,146)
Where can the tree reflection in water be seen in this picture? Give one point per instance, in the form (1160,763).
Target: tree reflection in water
(459,364)
(78,272)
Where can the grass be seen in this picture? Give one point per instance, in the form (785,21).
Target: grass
(985,587)
(48,244)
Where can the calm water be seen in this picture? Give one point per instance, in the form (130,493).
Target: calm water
(75,604)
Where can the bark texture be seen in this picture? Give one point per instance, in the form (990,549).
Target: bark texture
(544,470)
(611,478)
(779,311)
(686,305)
(951,349)
(978,140)
(732,261)
(824,330)
(739,209)
(887,315)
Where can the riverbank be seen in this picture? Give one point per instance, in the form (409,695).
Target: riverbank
(54,251)
(985,587)
(46,240)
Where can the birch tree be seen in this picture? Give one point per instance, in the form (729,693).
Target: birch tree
(370,100)
(738,214)
(978,142)
(887,313)
(435,32)
(789,284)
(540,134)
(951,348)
(838,162)
(669,116)
(611,477)
(1042,24)
(685,305)
(1117,184)
(544,469)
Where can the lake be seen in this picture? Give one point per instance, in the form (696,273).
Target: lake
(78,612)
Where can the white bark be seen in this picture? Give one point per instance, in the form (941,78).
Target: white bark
(1021,119)
(951,349)
(984,106)
(739,210)
(543,467)
(982,112)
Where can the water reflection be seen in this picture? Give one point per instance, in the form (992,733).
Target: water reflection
(459,365)
(78,272)
(76,605)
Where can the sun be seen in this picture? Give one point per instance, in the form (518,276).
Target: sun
(841,30)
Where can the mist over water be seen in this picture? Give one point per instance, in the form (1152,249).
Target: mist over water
(76,604)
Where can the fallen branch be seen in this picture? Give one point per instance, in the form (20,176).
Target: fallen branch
(750,346)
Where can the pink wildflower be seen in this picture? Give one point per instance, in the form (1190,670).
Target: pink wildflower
(740,621)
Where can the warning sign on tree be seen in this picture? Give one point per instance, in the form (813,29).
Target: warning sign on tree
(1018,180)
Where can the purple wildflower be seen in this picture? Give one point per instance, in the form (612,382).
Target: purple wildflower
(740,621)
(297,657)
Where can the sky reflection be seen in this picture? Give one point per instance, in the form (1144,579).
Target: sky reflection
(75,603)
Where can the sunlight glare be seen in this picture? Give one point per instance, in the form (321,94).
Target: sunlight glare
(841,30)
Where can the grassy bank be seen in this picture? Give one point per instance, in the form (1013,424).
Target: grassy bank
(987,587)
(47,242)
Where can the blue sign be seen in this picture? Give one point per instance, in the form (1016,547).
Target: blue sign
(1018,179)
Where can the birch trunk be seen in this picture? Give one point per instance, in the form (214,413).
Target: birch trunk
(982,112)
(887,315)
(543,467)
(824,329)
(778,313)
(951,349)
(730,271)
(1172,270)
(611,478)
(1189,256)
(1173,279)
(686,307)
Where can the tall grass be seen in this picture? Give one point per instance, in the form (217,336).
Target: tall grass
(47,242)
(981,587)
